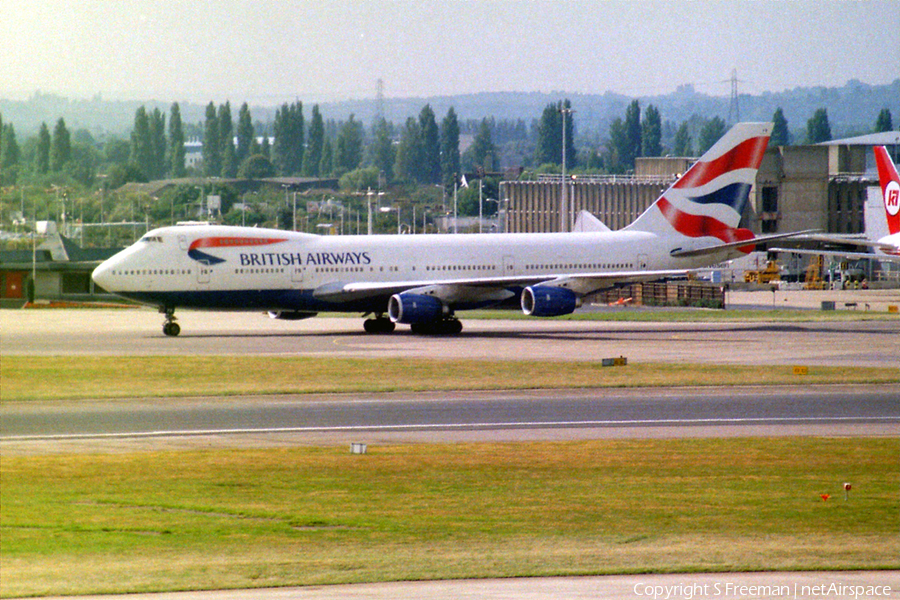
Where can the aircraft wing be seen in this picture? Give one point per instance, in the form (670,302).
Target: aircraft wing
(488,288)
(839,254)
(714,249)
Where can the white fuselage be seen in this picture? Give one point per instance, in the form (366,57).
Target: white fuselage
(889,245)
(286,270)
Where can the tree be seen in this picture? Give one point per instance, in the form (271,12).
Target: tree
(710,133)
(817,128)
(484,154)
(884,121)
(212,149)
(226,141)
(289,138)
(9,154)
(349,148)
(157,144)
(383,155)
(315,144)
(450,164)
(550,134)
(141,155)
(326,165)
(431,147)
(175,155)
(683,141)
(82,166)
(359,180)
(256,166)
(9,147)
(409,151)
(549,138)
(632,134)
(618,146)
(42,157)
(60,146)
(245,137)
(651,132)
(780,134)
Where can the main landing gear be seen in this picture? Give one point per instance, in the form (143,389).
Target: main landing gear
(170,327)
(448,326)
(379,324)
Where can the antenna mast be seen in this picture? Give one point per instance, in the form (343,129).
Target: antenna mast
(734,110)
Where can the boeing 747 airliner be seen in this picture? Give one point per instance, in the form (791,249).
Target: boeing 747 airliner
(886,248)
(422,280)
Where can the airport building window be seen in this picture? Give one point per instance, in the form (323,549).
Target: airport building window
(770,199)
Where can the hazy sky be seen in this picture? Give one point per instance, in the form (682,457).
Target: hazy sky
(270,51)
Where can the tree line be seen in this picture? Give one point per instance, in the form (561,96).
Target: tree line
(420,151)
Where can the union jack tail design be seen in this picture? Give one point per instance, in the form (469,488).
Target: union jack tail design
(890,188)
(707,201)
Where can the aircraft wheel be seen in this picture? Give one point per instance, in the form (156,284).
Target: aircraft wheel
(171,329)
(454,326)
(381,325)
(443,327)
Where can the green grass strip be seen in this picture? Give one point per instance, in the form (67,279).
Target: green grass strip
(217,519)
(76,377)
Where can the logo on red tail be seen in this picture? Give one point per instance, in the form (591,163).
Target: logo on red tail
(892,198)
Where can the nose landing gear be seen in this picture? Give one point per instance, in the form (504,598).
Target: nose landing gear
(170,327)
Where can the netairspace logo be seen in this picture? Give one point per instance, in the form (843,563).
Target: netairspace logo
(687,591)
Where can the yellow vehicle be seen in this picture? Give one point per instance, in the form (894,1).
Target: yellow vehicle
(768,275)
(814,279)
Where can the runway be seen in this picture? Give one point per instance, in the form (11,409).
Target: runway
(138,332)
(567,414)
(452,417)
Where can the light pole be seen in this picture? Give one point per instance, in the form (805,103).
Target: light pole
(480,203)
(565,218)
(455,212)
(369,195)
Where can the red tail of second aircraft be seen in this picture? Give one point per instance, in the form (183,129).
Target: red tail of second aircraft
(890,188)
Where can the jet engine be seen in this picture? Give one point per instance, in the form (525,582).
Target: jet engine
(548,301)
(290,315)
(414,308)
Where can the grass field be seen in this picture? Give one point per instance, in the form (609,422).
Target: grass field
(38,378)
(112,523)
(236,518)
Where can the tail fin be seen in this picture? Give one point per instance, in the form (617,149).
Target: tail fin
(890,188)
(708,200)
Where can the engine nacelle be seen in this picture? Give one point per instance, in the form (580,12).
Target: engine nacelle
(414,308)
(290,315)
(548,301)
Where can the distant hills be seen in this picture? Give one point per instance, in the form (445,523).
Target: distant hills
(852,108)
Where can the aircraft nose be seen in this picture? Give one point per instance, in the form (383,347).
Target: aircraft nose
(102,275)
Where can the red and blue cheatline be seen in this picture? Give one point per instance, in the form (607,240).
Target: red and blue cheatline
(225,242)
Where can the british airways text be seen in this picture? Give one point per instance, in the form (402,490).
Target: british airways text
(281,259)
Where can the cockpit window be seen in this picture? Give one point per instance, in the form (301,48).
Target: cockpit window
(152,238)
